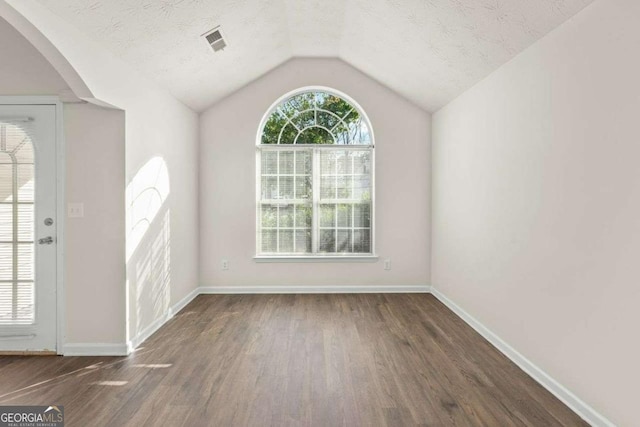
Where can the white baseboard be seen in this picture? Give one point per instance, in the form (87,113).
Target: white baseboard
(580,407)
(147,332)
(91,349)
(160,321)
(175,309)
(313,289)
(576,404)
(94,349)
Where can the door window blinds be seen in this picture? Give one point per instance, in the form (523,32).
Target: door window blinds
(16,222)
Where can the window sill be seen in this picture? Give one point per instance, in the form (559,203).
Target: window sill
(316,258)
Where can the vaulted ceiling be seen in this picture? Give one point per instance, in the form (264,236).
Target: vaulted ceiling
(429,51)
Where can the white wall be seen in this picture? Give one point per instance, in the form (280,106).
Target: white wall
(94,245)
(227,175)
(536,205)
(161,127)
(157,125)
(23,69)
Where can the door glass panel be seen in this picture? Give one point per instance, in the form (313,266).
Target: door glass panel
(16,224)
(25,183)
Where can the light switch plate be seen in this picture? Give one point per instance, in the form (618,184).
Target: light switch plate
(75,210)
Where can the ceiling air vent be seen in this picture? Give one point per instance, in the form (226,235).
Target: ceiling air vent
(215,39)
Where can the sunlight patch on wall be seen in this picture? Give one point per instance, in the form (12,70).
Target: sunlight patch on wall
(146,193)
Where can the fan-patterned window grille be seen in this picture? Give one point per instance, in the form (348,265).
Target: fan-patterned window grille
(315,177)
(16,223)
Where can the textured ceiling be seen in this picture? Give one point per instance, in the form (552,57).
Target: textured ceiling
(429,51)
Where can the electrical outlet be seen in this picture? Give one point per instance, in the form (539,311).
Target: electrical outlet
(75,210)
(387,264)
(225,264)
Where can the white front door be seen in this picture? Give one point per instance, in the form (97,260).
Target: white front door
(28,226)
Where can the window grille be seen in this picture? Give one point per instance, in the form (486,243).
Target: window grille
(315,177)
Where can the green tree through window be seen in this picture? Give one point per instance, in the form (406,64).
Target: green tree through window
(315,178)
(315,118)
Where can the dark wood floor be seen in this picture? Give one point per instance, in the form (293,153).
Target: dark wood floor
(309,360)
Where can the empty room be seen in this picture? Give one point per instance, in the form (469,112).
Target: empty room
(319,213)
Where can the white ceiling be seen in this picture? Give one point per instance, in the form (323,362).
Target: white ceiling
(429,51)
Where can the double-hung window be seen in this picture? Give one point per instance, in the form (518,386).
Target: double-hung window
(315,178)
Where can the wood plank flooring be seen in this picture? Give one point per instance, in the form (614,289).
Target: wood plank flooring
(294,360)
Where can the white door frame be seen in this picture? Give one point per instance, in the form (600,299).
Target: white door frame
(60,203)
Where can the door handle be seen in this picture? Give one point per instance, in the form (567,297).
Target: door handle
(45,240)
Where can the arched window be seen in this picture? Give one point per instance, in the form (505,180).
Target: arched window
(315,177)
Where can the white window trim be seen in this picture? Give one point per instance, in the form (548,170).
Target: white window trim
(357,258)
(315,257)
